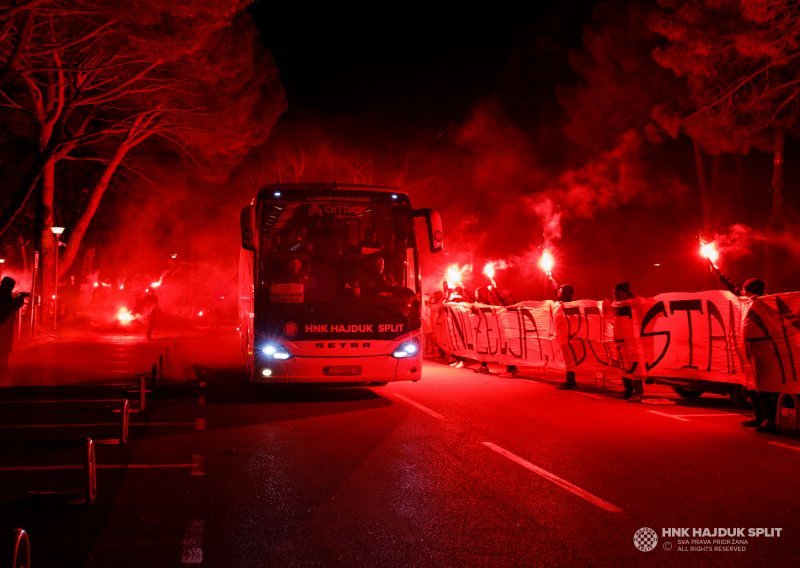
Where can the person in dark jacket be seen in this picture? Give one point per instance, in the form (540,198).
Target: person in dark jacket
(764,403)
(565,293)
(10,304)
(633,386)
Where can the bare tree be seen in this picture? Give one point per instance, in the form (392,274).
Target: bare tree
(92,90)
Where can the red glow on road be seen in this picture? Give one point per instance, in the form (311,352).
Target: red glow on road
(124,316)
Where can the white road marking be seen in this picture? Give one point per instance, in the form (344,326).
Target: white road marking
(82,425)
(192,551)
(593,499)
(673,416)
(787,446)
(192,466)
(417,405)
(62,401)
(164,424)
(712,414)
(91,424)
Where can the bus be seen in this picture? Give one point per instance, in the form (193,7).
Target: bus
(330,288)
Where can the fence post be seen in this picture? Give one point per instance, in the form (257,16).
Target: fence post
(161,365)
(153,376)
(142,394)
(21,552)
(124,422)
(90,472)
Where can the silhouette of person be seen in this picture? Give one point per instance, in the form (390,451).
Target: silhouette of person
(765,404)
(296,274)
(377,275)
(149,308)
(634,386)
(370,244)
(10,304)
(565,293)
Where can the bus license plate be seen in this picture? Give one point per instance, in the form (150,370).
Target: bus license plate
(342,370)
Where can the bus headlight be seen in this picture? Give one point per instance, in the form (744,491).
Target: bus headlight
(407,349)
(276,351)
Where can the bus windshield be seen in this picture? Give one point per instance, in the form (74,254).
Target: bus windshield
(335,249)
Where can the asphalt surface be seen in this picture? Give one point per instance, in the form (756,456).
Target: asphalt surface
(459,469)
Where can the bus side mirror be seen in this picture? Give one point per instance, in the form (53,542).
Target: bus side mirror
(247,224)
(434,223)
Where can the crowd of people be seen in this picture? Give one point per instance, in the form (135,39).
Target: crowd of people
(764,403)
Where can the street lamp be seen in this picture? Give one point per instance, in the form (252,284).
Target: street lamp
(57,232)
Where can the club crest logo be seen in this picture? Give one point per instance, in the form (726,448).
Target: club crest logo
(290,329)
(645,539)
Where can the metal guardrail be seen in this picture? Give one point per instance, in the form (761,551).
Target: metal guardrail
(90,473)
(87,493)
(20,550)
(125,421)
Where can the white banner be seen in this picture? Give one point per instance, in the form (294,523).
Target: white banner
(710,336)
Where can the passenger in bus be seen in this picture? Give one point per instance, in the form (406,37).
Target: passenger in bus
(296,273)
(370,244)
(376,274)
(353,289)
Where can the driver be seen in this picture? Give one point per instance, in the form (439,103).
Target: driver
(377,275)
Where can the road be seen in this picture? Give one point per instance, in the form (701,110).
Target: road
(459,469)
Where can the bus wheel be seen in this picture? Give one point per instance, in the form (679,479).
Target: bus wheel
(739,397)
(687,393)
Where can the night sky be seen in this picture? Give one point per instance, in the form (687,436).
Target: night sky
(415,61)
